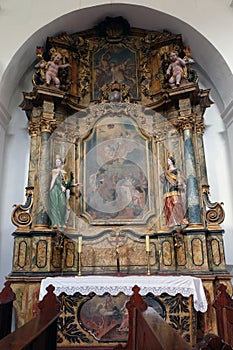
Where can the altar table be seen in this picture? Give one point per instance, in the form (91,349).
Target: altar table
(172,285)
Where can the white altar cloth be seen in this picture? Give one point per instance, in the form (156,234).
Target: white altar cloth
(185,285)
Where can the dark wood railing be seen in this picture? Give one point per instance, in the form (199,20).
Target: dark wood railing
(148,331)
(7,296)
(223,304)
(40,333)
(212,342)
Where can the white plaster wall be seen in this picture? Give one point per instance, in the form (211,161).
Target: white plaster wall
(19,20)
(219,172)
(14,180)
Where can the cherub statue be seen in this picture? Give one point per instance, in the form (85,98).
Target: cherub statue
(49,70)
(175,70)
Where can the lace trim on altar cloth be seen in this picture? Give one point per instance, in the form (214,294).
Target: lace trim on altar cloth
(172,285)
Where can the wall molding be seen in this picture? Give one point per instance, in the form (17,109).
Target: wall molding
(5,117)
(227,115)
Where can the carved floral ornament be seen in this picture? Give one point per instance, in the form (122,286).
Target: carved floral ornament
(215,213)
(110,53)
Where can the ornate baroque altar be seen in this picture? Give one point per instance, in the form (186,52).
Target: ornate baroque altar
(101,136)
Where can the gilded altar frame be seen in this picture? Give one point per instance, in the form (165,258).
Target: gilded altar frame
(92,113)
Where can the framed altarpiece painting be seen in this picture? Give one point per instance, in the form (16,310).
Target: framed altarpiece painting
(118,173)
(118,164)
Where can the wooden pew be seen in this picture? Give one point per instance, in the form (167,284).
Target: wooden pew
(212,342)
(148,331)
(40,333)
(223,304)
(7,296)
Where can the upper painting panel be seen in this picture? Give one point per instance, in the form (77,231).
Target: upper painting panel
(114,64)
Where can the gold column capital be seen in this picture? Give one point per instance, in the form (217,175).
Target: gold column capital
(186,122)
(200,127)
(47,125)
(33,128)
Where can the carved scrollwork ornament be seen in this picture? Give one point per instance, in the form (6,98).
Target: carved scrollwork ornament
(146,75)
(84,74)
(215,215)
(21,215)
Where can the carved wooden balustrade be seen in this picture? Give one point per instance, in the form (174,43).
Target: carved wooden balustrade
(223,304)
(7,296)
(39,333)
(148,331)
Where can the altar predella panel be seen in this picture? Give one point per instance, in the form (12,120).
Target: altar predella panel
(104,319)
(117,178)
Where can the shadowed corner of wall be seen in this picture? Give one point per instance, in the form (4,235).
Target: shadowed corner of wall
(230,270)
(1,66)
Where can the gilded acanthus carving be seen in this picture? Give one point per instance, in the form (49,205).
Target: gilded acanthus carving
(115,92)
(90,62)
(33,129)
(200,126)
(186,122)
(38,77)
(21,215)
(47,125)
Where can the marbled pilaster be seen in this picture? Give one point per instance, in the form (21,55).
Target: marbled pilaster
(194,211)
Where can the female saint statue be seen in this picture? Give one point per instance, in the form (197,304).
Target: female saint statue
(60,183)
(174,193)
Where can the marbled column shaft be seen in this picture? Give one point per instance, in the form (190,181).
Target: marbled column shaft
(192,184)
(32,161)
(43,205)
(203,170)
